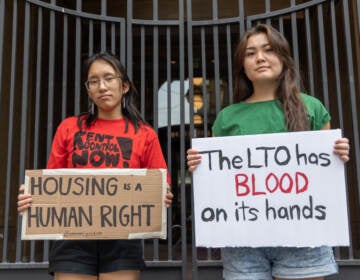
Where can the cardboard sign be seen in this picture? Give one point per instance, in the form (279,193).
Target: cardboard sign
(95,204)
(282,189)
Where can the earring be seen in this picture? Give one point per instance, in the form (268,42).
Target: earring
(123,103)
(91,107)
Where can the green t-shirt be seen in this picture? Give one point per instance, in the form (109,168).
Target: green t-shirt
(265,117)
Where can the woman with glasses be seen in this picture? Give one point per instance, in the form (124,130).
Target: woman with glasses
(114,121)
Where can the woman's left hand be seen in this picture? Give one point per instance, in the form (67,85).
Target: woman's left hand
(342,148)
(168,197)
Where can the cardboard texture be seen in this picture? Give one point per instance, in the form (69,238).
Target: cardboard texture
(95,204)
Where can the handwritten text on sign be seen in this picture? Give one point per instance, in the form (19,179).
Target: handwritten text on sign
(95,204)
(283,189)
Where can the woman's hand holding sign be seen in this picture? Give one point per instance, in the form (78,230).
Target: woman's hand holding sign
(342,148)
(24,200)
(193,159)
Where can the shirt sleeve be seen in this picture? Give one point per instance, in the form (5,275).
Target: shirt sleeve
(153,156)
(322,117)
(59,155)
(317,113)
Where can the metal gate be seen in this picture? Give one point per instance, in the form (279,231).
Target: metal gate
(179,55)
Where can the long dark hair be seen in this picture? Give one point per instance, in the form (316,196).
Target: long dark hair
(129,110)
(287,91)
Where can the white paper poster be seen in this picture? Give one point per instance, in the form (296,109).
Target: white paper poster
(283,189)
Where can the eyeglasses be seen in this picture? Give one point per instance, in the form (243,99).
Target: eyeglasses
(94,84)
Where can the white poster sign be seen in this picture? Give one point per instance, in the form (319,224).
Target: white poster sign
(282,189)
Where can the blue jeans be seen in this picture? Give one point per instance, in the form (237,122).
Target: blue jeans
(282,262)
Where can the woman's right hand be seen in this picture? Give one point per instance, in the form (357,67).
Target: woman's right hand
(24,200)
(193,159)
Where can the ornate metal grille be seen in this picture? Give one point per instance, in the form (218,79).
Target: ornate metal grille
(179,54)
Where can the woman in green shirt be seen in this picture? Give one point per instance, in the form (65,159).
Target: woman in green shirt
(269,101)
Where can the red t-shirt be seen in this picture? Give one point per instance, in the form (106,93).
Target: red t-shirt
(105,144)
